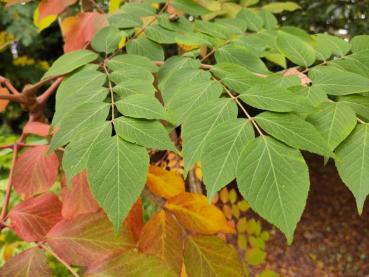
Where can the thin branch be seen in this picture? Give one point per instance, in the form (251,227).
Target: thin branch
(51,252)
(111,93)
(14,98)
(43,97)
(97,6)
(9,85)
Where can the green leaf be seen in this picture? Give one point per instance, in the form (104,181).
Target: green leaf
(221,152)
(69,62)
(273,178)
(253,21)
(336,45)
(138,9)
(196,129)
(314,94)
(187,98)
(352,162)
(130,60)
(279,7)
(182,24)
(117,172)
(131,72)
(160,35)
(270,21)
(151,134)
(189,7)
(146,48)
(131,87)
(211,256)
(216,30)
(277,99)
(81,87)
(335,121)
(294,131)
(124,21)
(77,153)
(83,116)
(355,63)
(107,39)
(360,43)
(238,54)
(295,49)
(359,103)
(337,82)
(141,106)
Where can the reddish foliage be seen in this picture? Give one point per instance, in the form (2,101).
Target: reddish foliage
(53,7)
(78,199)
(36,128)
(35,171)
(79,30)
(33,218)
(134,219)
(3,103)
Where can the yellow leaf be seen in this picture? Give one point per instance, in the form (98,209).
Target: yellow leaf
(8,251)
(243,205)
(44,22)
(253,227)
(114,5)
(235,211)
(264,236)
(256,242)
(268,273)
(122,42)
(232,196)
(164,183)
(242,242)
(227,210)
(198,171)
(187,47)
(155,5)
(224,195)
(242,225)
(183,272)
(193,211)
(255,256)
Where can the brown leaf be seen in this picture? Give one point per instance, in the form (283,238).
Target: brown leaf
(29,263)
(35,171)
(33,218)
(304,79)
(3,103)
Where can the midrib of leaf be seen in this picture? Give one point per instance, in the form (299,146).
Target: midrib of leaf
(142,107)
(330,130)
(363,159)
(204,257)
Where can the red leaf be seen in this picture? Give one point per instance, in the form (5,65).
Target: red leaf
(86,238)
(31,262)
(53,7)
(37,128)
(78,199)
(134,219)
(33,218)
(35,171)
(80,29)
(3,103)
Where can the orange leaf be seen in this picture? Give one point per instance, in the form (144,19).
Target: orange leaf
(193,211)
(35,171)
(134,219)
(33,218)
(79,30)
(78,199)
(3,103)
(162,236)
(53,7)
(31,262)
(37,128)
(164,183)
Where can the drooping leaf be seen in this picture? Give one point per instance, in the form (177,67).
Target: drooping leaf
(221,152)
(196,129)
(151,134)
(352,163)
(117,172)
(211,256)
(78,199)
(31,262)
(35,171)
(294,131)
(33,218)
(295,49)
(86,238)
(335,121)
(69,62)
(130,264)
(193,212)
(106,40)
(273,178)
(83,116)
(162,237)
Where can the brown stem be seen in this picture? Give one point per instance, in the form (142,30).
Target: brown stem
(9,85)
(14,98)
(43,97)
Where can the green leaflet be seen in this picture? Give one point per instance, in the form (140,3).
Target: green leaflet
(187,98)
(253,21)
(356,63)
(77,153)
(107,39)
(360,43)
(131,72)
(274,179)
(278,7)
(216,30)
(336,45)
(337,82)
(83,116)
(270,21)
(196,129)
(294,131)
(238,54)
(151,134)
(146,48)
(133,87)
(160,35)
(81,87)
(117,172)
(138,9)
(314,94)
(190,7)
(141,106)
(69,62)
(359,103)
(124,21)
(277,99)
(295,49)
(352,163)
(221,152)
(335,121)
(129,60)
(180,25)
